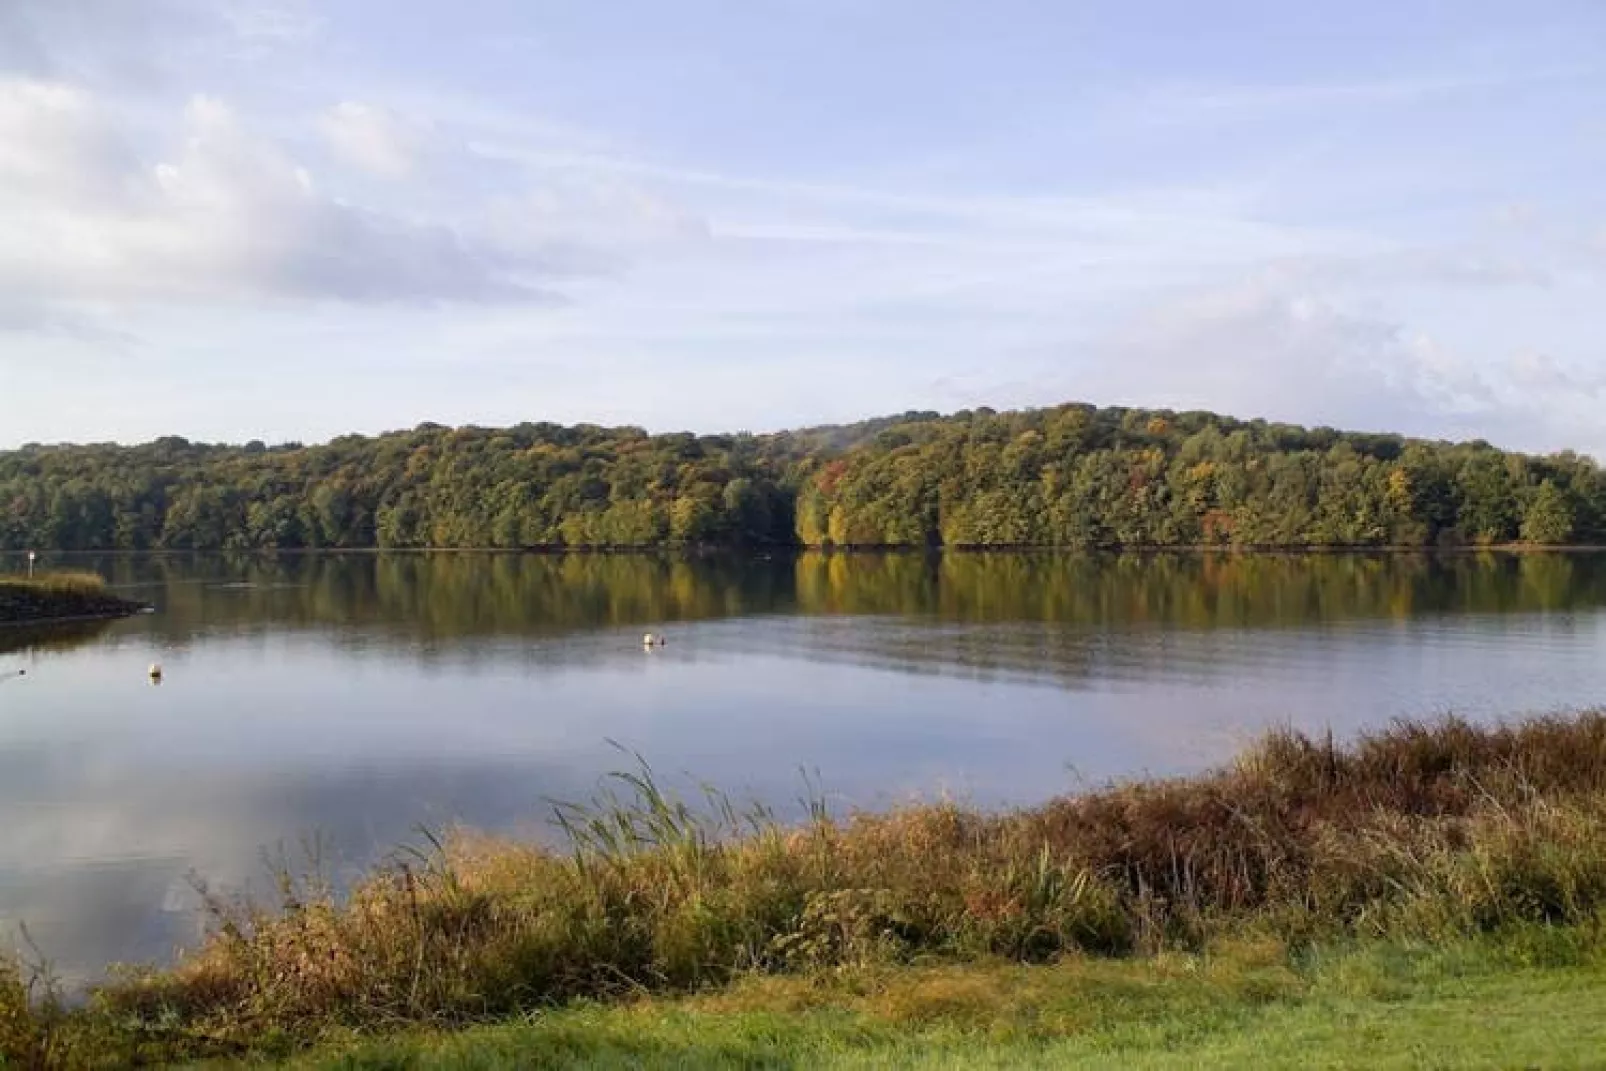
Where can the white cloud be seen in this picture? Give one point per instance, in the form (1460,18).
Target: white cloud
(55,143)
(1259,348)
(226,215)
(373,138)
(190,204)
(83,325)
(1541,372)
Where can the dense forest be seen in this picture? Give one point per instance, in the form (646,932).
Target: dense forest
(1071,476)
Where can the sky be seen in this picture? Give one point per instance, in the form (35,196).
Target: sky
(283,220)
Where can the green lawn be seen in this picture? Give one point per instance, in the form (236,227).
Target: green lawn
(1532,1002)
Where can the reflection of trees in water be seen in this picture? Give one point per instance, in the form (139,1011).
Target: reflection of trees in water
(437,598)
(1187,618)
(1196,591)
(441,597)
(57,637)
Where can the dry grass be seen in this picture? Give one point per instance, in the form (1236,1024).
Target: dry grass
(1429,831)
(81,584)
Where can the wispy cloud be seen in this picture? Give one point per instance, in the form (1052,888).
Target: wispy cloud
(373,138)
(916,216)
(271,20)
(1180,103)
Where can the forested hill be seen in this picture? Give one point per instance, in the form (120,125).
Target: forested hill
(1069,476)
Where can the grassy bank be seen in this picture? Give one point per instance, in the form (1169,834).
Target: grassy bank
(1528,998)
(1442,833)
(59,596)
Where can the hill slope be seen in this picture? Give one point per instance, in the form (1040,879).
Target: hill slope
(1072,476)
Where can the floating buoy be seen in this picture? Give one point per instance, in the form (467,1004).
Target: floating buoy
(156,671)
(652,640)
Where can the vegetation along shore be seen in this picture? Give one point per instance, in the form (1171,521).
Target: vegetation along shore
(1070,476)
(59,597)
(1455,871)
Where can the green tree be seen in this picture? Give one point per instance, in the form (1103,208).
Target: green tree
(1548,517)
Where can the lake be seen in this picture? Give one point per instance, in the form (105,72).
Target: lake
(342,701)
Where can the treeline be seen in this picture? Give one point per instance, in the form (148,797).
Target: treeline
(1073,476)
(1077,476)
(535,485)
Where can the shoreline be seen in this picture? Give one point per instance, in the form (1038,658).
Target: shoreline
(712,550)
(1425,833)
(61,599)
(81,619)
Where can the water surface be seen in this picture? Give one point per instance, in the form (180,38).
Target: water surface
(349,699)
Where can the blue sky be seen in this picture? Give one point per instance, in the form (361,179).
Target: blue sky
(236,219)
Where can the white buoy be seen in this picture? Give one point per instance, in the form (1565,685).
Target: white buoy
(156,671)
(649,640)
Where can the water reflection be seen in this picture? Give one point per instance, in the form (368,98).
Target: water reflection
(436,599)
(358,696)
(1065,619)
(36,639)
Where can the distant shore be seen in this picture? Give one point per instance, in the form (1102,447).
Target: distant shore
(60,597)
(703,550)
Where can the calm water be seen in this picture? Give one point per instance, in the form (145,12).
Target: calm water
(352,698)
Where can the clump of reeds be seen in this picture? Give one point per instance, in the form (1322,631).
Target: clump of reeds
(31,1014)
(19,1025)
(75,583)
(57,596)
(1428,831)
